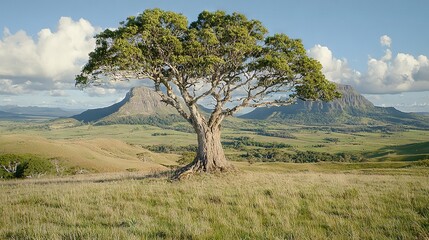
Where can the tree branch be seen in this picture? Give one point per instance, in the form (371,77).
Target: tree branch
(172,99)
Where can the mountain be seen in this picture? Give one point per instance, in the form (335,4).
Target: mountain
(140,105)
(13,112)
(9,116)
(351,108)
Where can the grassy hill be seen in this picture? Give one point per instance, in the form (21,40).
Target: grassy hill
(89,155)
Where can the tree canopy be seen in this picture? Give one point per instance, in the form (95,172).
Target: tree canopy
(222,56)
(225,59)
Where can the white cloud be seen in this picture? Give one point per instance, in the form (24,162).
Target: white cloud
(7,87)
(385,41)
(58,93)
(387,56)
(336,70)
(49,62)
(95,91)
(389,74)
(402,73)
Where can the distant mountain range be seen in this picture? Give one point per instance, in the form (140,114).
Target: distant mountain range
(13,112)
(351,108)
(142,105)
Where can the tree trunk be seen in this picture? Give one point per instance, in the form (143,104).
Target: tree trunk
(210,155)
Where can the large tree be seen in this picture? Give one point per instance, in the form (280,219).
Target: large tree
(224,59)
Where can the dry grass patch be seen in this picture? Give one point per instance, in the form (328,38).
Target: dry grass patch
(245,205)
(99,155)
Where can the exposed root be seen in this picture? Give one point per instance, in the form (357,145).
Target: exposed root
(196,167)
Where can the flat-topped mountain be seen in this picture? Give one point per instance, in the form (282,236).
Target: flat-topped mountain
(139,103)
(143,105)
(351,108)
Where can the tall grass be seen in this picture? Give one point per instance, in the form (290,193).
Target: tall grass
(246,205)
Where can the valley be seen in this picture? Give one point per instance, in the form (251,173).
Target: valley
(113,182)
(106,173)
(110,148)
(140,133)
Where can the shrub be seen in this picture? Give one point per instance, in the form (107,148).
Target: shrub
(267,155)
(165,148)
(160,134)
(25,166)
(332,139)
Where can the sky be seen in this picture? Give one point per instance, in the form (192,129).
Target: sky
(379,47)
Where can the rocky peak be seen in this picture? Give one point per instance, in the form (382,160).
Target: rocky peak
(144,101)
(140,101)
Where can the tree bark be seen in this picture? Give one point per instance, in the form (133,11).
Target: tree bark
(210,155)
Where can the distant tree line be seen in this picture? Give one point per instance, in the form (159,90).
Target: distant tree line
(240,142)
(167,148)
(142,119)
(387,129)
(172,122)
(278,133)
(276,155)
(261,152)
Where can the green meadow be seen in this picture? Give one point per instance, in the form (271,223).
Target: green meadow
(250,204)
(108,184)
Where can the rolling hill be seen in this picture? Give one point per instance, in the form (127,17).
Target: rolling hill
(351,108)
(95,155)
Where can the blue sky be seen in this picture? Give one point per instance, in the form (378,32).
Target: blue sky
(379,47)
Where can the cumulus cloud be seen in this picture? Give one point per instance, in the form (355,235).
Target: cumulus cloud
(385,41)
(95,91)
(388,74)
(336,70)
(48,62)
(58,93)
(7,87)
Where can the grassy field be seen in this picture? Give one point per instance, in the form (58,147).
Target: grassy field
(112,148)
(124,195)
(245,205)
(378,145)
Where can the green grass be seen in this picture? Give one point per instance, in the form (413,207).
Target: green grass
(133,134)
(405,152)
(244,205)
(116,147)
(378,199)
(305,140)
